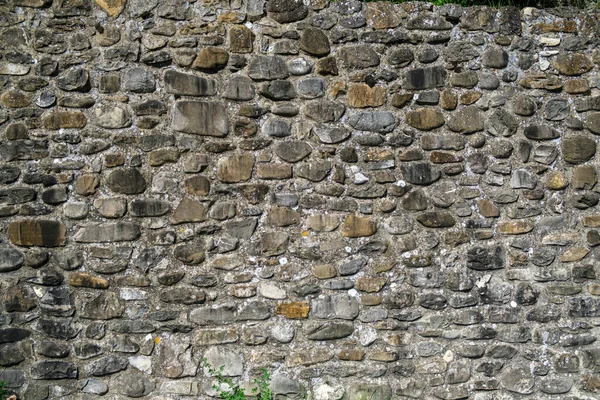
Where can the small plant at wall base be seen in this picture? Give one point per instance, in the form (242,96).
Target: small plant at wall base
(2,391)
(262,391)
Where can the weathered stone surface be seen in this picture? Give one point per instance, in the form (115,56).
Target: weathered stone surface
(425,78)
(467,120)
(578,149)
(314,42)
(425,119)
(189,85)
(201,118)
(358,57)
(280,169)
(354,226)
(235,168)
(267,68)
(111,232)
(285,11)
(45,233)
(572,64)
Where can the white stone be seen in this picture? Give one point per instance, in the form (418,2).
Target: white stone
(327,392)
(143,363)
(271,291)
(283,332)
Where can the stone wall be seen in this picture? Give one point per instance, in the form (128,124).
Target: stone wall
(370,200)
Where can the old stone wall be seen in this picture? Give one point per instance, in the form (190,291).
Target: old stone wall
(372,201)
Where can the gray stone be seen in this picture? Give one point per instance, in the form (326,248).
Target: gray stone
(556,109)
(425,78)
(103,307)
(518,380)
(201,118)
(94,386)
(401,57)
(373,121)
(358,57)
(232,362)
(420,173)
(467,120)
(330,135)
(111,232)
(502,123)
(239,87)
(337,306)
(278,128)
(138,80)
(311,88)
(286,11)
(293,151)
(190,85)
(54,370)
(324,111)
(495,57)
(540,132)
(578,149)
(314,42)
(10,259)
(267,67)
(74,80)
(328,330)
(278,90)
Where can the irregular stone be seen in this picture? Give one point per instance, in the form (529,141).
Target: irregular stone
(372,121)
(358,57)
(467,120)
(48,370)
(286,11)
(108,232)
(231,362)
(540,132)
(112,116)
(241,39)
(355,226)
(44,233)
(211,59)
(382,15)
(188,210)
(293,151)
(239,87)
(578,149)
(126,181)
(419,173)
(518,380)
(425,118)
(324,111)
(425,78)
(361,96)
(495,57)
(235,168)
(314,42)
(64,120)
(328,330)
(572,64)
(435,219)
(268,67)
(189,85)
(200,118)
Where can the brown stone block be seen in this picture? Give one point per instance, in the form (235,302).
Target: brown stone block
(293,310)
(43,233)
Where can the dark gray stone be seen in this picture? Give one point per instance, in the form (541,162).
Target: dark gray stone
(425,78)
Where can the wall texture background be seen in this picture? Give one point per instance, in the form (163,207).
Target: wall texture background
(370,200)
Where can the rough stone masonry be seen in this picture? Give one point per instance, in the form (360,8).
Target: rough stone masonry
(372,201)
